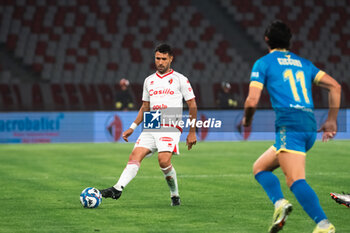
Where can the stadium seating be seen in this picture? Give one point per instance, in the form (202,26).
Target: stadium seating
(320,27)
(5,75)
(89,42)
(102,41)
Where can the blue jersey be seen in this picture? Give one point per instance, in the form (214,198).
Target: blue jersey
(288,79)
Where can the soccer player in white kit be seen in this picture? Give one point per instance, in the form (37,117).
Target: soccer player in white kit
(162,91)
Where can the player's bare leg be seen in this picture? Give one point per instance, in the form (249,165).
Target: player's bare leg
(262,170)
(293,166)
(129,173)
(164,159)
(268,161)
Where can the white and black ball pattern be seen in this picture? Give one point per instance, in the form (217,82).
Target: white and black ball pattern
(90,198)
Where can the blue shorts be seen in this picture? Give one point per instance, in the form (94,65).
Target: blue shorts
(290,140)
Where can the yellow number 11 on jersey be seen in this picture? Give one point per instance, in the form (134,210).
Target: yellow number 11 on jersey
(288,75)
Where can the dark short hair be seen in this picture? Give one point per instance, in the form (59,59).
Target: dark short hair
(164,48)
(278,34)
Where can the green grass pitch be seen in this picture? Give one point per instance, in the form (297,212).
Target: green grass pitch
(40,187)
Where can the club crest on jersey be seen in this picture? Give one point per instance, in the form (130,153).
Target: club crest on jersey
(170,81)
(151,83)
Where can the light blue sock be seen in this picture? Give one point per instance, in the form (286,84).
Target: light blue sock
(271,185)
(308,199)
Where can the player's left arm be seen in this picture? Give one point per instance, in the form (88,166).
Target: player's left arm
(329,127)
(191,137)
(251,104)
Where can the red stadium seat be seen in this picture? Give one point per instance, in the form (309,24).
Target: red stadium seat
(346,93)
(37,67)
(191,44)
(72,94)
(148,44)
(11,41)
(6,95)
(69,66)
(199,66)
(89,95)
(196,19)
(112,66)
(107,95)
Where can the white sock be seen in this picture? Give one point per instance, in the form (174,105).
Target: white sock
(128,174)
(324,224)
(171,179)
(278,203)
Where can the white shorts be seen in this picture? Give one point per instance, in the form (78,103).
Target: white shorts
(159,141)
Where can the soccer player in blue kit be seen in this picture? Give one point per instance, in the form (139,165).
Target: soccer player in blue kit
(288,79)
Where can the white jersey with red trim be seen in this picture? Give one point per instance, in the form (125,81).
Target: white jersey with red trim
(167,90)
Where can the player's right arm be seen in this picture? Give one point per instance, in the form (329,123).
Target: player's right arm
(329,127)
(257,80)
(144,108)
(250,104)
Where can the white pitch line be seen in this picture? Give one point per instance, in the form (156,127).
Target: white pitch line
(337,174)
(187,176)
(160,176)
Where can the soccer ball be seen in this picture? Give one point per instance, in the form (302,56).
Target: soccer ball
(90,198)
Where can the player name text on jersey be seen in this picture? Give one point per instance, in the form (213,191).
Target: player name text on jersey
(289,62)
